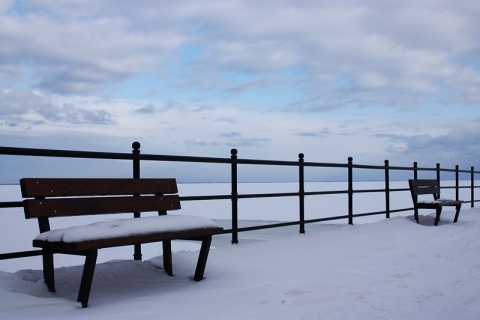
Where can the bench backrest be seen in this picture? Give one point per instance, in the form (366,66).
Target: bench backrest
(420,187)
(73,197)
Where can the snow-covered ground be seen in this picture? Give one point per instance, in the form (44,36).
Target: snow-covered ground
(375,269)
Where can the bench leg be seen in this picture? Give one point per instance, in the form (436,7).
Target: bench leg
(87,277)
(457,213)
(415,211)
(167,257)
(437,218)
(48,270)
(202,258)
(137,252)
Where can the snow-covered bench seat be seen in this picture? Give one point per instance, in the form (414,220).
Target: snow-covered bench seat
(423,187)
(79,197)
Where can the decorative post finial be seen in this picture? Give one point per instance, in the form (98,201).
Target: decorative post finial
(136,145)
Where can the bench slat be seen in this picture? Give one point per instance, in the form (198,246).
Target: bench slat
(423,182)
(61,187)
(431,205)
(193,234)
(37,208)
(424,186)
(427,190)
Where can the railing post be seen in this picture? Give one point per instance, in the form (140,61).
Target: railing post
(387,190)
(472,187)
(234,196)
(438,174)
(137,255)
(456,183)
(136,159)
(350,190)
(415,170)
(301,191)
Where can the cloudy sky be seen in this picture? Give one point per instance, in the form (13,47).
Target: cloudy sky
(375,80)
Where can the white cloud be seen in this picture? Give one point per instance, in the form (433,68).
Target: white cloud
(195,141)
(398,147)
(72,52)
(327,78)
(27,107)
(100,43)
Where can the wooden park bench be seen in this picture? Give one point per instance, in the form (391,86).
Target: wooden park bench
(423,187)
(79,197)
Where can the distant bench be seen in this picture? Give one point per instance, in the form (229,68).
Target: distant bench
(80,197)
(422,187)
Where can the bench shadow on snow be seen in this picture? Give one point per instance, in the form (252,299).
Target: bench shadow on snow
(429,219)
(117,280)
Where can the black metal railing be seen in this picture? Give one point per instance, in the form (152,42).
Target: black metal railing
(137,158)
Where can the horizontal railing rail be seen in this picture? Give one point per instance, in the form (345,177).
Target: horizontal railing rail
(136,158)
